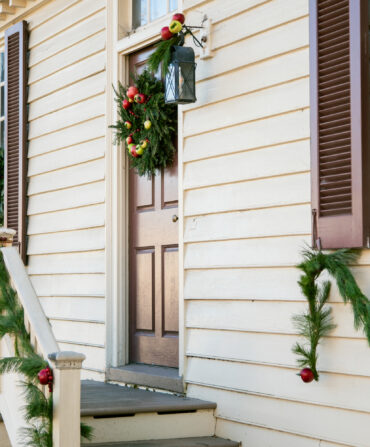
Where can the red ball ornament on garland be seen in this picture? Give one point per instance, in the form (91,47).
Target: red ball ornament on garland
(126,104)
(179,17)
(43,376)
(307,375)
(128,124)
(132,91)
(166,33)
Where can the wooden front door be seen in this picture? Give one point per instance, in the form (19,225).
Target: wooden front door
(153,244)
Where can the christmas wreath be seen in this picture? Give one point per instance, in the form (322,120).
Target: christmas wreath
(146,125)
(317,322)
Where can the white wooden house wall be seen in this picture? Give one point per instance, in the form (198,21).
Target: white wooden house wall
(247,217)
(246,196)
(66,189)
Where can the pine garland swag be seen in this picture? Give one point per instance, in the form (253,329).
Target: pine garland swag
(39,407)
(151,123)
(317,322)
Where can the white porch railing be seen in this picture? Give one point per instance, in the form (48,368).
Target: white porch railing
(66,365)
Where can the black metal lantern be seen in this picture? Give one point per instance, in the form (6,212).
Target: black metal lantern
(180,78)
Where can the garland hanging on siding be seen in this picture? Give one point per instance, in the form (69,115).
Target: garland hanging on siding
(35,370)
(317,322)
(146,125)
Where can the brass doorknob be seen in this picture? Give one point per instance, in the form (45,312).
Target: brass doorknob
(175,218)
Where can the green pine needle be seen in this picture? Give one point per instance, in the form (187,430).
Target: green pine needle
(317,322)
(38,410)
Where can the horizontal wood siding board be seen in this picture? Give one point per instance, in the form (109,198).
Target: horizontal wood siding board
(337,355)
(262,316)
(328,424)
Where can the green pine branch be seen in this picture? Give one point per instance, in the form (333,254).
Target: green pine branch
(317,322)
(38,409)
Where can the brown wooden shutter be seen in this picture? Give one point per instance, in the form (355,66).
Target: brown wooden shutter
(339,70)
(16,132)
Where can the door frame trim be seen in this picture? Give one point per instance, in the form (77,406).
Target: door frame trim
(117,259)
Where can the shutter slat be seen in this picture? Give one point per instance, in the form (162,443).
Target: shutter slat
(15,132)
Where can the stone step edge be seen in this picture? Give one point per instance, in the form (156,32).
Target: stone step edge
(209,441)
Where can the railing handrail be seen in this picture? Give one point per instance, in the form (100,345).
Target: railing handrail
(27,296)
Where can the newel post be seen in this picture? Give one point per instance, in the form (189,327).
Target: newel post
(66,398)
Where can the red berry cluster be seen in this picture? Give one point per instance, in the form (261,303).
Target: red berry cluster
(133,95)
(175,26)
(46,378)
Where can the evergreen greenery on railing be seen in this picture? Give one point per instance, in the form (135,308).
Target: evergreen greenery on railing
(39,407)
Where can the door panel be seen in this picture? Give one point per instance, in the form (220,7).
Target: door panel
(153,244)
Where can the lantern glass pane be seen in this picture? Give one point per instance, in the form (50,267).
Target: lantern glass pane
(140,13)
(170,94)
(187,82)
(158,8)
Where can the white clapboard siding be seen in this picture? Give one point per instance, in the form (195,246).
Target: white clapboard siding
(80,332)
(63,78)
(73,94)
(286,38)
(247,217)
(71,219)
(256,77)
(248,165)
(91,150)
(268,102)
(69,56)
(263,316)
(267,132)
(95,356)
(66,242)
(89,262)
(72,35)
(88,172)
(69,285)
(339,355)
(67,198)
(66,117)
(74,308)
(330,424)
(253,21)
(250,283)
(278,191)
(63,20)
(255,436)
(287,220)
(246,253)
(85,131)
(41,15)
(66,172)
(281,383)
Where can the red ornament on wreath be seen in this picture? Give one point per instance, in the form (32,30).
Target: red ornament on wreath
(132,91)
(126,104)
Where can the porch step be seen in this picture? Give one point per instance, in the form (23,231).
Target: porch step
(209,441)
(104,399)
(118,413)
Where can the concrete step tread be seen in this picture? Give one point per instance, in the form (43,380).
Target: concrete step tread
(184,442)
(104,399)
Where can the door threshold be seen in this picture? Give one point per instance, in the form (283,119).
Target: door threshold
(161,377)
